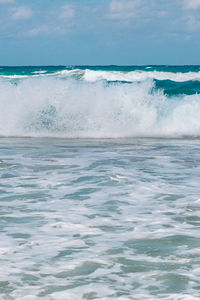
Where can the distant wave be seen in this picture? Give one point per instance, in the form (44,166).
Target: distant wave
(51,107)
(97,75)
(133,76)
(39,72)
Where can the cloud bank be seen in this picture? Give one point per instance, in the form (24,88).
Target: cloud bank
(192,4)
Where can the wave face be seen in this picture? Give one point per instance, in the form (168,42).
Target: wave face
(100,102)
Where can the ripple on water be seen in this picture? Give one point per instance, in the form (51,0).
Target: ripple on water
(99,219)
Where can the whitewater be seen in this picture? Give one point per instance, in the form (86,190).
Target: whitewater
(99,182)
(89,103)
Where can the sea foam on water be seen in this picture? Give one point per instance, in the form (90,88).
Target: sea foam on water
(55,107)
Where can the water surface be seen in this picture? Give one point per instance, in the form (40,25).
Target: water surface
(99,219)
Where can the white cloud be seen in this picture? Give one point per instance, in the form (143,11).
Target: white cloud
(193,23)
(22,13)
(122,9)
(58,23)
(7,1)
(67,12)
(45,30)
(37,31)
(192,4)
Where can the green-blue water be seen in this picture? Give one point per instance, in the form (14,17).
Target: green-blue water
(99,182)
(176,86)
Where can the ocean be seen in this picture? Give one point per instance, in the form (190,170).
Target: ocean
(99,182)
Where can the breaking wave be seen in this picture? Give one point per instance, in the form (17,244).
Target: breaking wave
(52,107)
(92,76)
(96,75)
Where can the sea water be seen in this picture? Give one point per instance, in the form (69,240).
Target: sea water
(99,183)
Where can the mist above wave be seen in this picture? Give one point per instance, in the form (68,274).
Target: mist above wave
(48,106)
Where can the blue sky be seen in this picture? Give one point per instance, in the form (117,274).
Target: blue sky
(92,32)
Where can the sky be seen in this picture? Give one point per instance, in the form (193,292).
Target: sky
(99,32)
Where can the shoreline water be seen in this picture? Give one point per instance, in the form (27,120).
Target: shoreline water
(99,219)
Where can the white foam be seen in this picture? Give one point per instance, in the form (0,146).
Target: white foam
(14,76)
(73,109)
(133,76)
(39,72)
(96,75)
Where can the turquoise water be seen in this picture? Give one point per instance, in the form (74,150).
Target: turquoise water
(100,102)
(99,189)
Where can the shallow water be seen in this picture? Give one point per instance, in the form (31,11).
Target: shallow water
(99,219)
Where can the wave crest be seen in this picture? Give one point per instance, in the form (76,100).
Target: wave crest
(97,75)
(73,109)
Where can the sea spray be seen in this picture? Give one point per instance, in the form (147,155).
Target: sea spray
(70,108)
